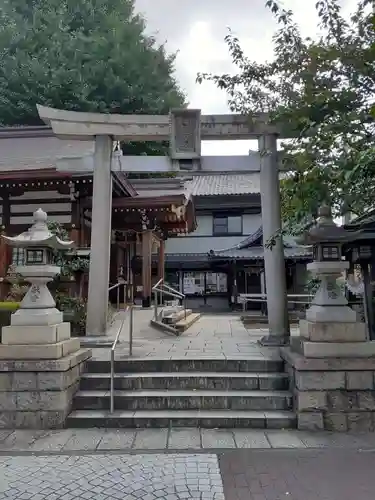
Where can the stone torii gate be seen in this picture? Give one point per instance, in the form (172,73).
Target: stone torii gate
(184,129)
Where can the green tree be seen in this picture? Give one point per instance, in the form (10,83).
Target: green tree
(323,91)
(82,55)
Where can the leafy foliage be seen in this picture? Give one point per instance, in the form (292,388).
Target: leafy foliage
(82,55)
(69,264)
(9,306)
(322,91)
(75,309)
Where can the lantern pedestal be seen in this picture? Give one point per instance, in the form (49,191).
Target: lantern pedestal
(329,305)
(37,330)
(40,364)
(331,327)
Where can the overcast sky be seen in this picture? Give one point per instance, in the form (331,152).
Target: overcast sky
(196,28)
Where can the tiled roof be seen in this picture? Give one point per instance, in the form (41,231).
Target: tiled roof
(251,239)
(258,253)
(153,188)
(34,153)
(249,248)
(224,184)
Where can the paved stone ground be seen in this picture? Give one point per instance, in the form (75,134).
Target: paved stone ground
(177,440)
(341,472)
(182,464)
(111,477)
(298,475)
(212,336)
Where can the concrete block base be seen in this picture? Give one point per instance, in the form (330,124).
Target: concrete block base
(22,335)
(36,317)
(38,394)
(335,394)
(333,349)
(39,352)
(321,313)
(332,332)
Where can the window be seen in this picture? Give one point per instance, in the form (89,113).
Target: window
(204,283)
(18,256)
(227,224)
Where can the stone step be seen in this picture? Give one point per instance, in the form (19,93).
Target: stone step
(164,327)
(187,380)
(235,364)
(210,419)
(172,319)
(184,400)
(183,324)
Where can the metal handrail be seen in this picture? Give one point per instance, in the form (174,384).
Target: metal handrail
(167,292)
(163,288)
(158,283)
(244,298)
(129,309)
(171,289)
(118,285)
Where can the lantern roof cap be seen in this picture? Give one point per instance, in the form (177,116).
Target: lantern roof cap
(325,230)
(38,235)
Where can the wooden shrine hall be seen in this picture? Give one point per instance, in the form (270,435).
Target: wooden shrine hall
(144,212)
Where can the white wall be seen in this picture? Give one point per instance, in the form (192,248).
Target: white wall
(251,223)
(204,226)
(202,241)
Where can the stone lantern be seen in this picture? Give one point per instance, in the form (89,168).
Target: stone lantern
(40,363)
(331,361)
(327,239)
(37,321)
(329,319)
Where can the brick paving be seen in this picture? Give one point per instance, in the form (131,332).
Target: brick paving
(298,475)
(111,477)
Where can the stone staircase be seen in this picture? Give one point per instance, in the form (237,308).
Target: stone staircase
(174,319)
(210,393)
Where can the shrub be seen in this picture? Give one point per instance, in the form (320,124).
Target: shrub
(9,306)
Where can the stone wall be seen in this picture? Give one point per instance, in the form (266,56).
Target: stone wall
(38,394)
(335,394)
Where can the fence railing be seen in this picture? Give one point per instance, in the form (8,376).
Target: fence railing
(294,298)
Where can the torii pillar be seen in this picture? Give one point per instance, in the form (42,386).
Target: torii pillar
(274,263)
(100,253)
(85,127)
